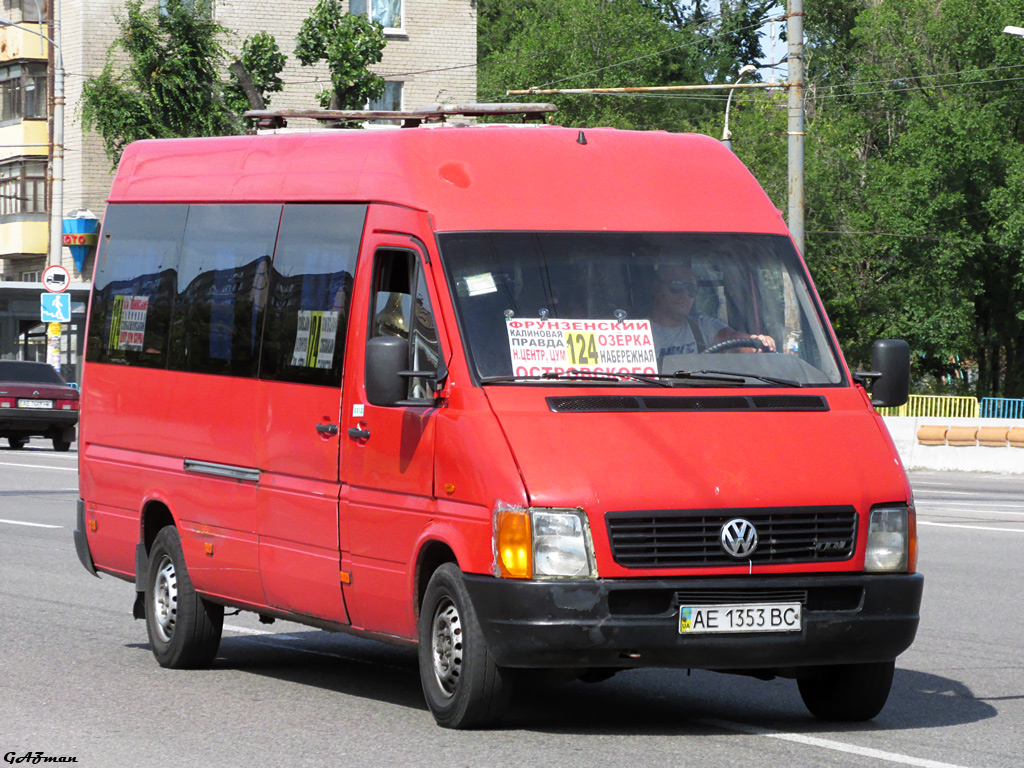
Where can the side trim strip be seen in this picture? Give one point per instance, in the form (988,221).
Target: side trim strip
(248,474)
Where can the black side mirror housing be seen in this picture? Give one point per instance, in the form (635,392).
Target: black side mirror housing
(890,370)
(386,358)
(387,377)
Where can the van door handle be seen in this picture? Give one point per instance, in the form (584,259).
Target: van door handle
(327,429)
(359,434)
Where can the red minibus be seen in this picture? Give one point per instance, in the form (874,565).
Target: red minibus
(524,397)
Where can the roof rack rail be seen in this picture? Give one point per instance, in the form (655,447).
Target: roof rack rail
(277,118)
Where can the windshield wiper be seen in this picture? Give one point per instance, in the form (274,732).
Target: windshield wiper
(578,376)
(653,379)
(732,378)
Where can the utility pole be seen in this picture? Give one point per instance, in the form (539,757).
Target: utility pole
(57,160)
(795,127)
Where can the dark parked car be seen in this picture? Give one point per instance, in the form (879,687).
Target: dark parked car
(36,402)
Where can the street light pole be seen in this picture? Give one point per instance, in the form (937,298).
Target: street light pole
(795,128)
(57,165)
(57,140)
(726,133)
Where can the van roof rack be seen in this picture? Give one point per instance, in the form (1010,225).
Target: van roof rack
(277,118)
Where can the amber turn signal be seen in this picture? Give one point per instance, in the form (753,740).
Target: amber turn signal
(514,545)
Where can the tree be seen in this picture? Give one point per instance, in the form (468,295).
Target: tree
(587,44)
(618,43)
(349,44)
(170,87)
(263,62)
(916,140)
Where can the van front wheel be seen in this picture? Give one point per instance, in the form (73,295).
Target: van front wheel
(461,683)
(184,629)
(847,692)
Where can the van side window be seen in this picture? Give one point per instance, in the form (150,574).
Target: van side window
(135,284)
(310,292)
(221,289)
(401,307)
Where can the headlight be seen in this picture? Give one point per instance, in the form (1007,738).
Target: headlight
(892,540)
(542,544)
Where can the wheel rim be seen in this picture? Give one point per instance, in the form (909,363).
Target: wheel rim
(165,599)
(446,647)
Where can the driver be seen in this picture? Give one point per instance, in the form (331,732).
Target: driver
(678,328)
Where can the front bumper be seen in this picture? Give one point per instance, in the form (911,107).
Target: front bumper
(82,541)
(847,618)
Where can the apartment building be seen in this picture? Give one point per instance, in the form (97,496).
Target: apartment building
(430,57)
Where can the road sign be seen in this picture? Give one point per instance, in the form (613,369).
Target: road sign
(56,278)
(55,307)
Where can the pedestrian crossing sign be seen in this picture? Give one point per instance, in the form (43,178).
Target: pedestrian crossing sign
(56,308)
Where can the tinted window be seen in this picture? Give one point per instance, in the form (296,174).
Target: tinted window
(135,284)
(222,284)
(675,296)
(310,292)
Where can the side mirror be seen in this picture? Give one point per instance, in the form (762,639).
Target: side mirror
(387,377)
(386,358)
(890,371)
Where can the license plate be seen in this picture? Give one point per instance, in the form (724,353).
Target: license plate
(35,403)
(750,617)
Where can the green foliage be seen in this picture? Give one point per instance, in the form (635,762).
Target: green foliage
(263,61)
(584,44)
(171,85)
(349,44)
(913,184)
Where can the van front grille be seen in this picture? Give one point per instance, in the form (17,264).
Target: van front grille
(692,538)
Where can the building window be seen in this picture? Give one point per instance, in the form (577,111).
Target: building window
(23,91)
(204,8)
(387,12)
(25,11)
(390,100)
(22,187)
(32,277)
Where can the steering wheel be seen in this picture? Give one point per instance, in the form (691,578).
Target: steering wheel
(751,342)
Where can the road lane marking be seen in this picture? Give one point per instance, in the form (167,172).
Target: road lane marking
(37,466)
(838,746)
(971,510)
(962,493)
(33,525)
(971,527)
(979,504)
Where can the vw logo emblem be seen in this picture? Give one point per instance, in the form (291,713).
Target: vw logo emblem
(738,538)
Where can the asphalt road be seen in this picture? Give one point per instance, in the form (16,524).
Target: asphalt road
(77,678)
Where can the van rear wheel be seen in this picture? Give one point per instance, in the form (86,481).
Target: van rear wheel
(847,692)
(184,629)
(462,685)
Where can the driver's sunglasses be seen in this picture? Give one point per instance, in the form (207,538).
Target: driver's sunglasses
(679,286)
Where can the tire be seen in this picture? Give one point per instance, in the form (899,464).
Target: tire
(847,692)
(184,629)
(461,683)
(17,443)
(61,445)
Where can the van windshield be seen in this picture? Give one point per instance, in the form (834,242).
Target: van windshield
(672,307)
